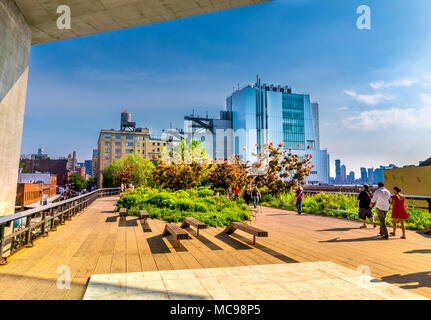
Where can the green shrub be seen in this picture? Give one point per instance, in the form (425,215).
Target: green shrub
(175,206)
(320,202)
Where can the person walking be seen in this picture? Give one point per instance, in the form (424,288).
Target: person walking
(298,197)
(364,201)
(256,196)
(247,195)
(399,211)
(229,192)
(236,189)
(381,200)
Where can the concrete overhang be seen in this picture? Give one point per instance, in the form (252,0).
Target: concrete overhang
(96,16)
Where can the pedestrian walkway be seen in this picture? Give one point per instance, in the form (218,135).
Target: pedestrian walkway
(96,242)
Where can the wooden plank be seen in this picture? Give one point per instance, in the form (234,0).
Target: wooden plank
(92,243)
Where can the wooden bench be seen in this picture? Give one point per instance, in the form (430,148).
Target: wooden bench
(425,230)
(176,231)
(123,214)
(195,223)
(143,214)
(246,228)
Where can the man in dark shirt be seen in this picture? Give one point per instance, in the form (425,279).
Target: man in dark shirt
(365,209)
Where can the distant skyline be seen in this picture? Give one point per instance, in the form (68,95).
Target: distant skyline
(373,86)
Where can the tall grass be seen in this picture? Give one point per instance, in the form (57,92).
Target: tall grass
(320,203)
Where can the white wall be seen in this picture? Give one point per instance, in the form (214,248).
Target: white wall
(15,38)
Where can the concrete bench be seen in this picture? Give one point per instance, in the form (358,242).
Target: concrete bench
(143,214)
(246,228)
(176,232)
(123,214)
(190,221)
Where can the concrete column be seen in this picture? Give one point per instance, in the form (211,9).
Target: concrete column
(15,42)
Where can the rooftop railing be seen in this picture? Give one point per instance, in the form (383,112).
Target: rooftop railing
(21,229)
(408,197)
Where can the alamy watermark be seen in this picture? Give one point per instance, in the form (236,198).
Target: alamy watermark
(364,279)
(364,20)
(64,278)
(64,21)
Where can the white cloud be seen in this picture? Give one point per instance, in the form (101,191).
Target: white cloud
(342,108)
(370,99)
(395,118)
(386,85)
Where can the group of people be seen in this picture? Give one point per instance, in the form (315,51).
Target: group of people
(382,199)
(250,194)
(124,187)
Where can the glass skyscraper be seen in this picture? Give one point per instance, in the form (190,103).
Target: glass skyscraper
(268,113)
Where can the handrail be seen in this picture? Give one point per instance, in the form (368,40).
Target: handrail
(412,197)
(409,197)
(13,240)
(26,213)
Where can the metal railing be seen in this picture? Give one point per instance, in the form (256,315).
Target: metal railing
(21,229)
(408,197)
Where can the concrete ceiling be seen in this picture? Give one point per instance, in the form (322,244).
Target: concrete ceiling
(95,16)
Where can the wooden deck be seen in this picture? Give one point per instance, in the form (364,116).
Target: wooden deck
(95,242)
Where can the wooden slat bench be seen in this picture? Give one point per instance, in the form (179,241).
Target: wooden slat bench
(177,232)
(143,214)
(123,214)
(246,228)
(425,230)
(190,221)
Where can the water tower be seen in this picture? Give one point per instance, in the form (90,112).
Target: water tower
(126,122)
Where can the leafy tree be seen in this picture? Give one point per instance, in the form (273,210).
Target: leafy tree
(229,172)
(285,170)
(179,176)
(183,167)
(186,152)
(134,169)
(92,182)
(78,182)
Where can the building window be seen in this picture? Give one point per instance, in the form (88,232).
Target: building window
(107,157)
(158,143)
(313,172)
(158,149)
(118,136)
(129,144)
(107,143)
(129,150)
(154,144)
(117,150)
(154,149)
(107,136)
(143,151)
(129,137)
(117,157)
(107,150)
(107,164)
(138,144)
(138,138)
(118,144)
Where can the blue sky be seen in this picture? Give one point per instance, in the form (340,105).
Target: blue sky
(373,86)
